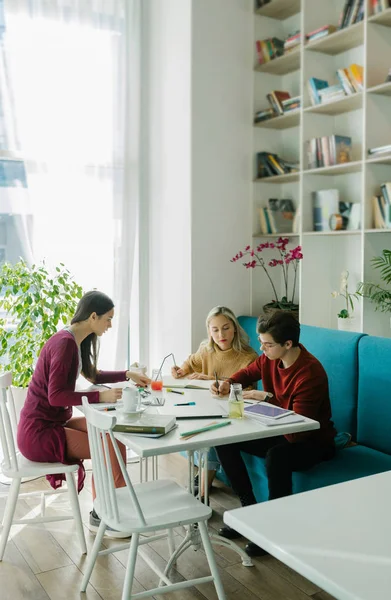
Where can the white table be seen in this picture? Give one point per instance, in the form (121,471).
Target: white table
(338,537)
(240,430)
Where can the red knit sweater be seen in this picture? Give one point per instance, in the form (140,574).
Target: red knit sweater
(302,387)
(50,397)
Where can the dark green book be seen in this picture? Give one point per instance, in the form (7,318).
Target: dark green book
(153,424)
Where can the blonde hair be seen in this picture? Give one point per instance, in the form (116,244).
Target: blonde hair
(241,341)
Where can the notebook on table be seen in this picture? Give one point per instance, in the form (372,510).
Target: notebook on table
(146,424)
(190,384)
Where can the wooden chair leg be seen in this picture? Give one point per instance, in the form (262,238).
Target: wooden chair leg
(76,511)
(9,514)
(130,567)
(93,556)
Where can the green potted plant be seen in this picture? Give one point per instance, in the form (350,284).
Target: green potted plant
(346,318)
(34,304)
(378,295)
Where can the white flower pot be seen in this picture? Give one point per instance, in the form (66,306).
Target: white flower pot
(348,324)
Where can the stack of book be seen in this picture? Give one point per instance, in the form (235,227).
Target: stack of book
(319,33)
(352,12)
(292,41)
(351,80)
(380,150)
(280,102)
(269,165)
(382,207)
(147,425)
(328,151)
(327,203)
(269,49)
(277,217)
(379,5)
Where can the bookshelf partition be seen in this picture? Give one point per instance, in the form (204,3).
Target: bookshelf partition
(363,116)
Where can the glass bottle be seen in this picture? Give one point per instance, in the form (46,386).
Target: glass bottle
(235,402)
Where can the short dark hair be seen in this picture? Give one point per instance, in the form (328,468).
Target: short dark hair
(282,326)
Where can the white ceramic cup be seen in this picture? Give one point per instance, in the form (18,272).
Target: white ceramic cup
(131,399)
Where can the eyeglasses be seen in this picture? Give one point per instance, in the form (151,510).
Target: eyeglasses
(266,344)
(154,401)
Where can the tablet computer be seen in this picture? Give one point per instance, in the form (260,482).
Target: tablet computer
(264,409)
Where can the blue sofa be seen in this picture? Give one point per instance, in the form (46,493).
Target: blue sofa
(359,372)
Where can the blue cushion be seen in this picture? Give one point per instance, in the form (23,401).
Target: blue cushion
(338,353)
(349,463)
(374,393)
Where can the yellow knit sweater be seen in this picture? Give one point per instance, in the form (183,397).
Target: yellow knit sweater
(224,362)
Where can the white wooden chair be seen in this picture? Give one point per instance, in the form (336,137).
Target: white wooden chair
(15,466)
(146,507)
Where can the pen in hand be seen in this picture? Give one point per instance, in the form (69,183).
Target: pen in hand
(217,382)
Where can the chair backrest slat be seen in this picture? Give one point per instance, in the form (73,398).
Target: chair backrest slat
(100,428)
(7,423)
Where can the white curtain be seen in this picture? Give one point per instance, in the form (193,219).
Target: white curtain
(72,67)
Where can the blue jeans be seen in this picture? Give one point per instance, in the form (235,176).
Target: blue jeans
(213,460)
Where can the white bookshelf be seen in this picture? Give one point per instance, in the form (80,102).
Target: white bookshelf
(365,117)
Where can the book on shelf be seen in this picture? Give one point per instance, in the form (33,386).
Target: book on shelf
(328,151)
(276,98)
(278,216)
(352,13)
(382,207)
(269,49)
(380,150)
(379,5)
(190,384)
(327,203)
(293,40)
(280,104)
(269,165)
(320,33)
(313,86)
(146,424)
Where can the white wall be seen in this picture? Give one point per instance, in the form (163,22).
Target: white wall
(165,275)
(221,172)
(196,192)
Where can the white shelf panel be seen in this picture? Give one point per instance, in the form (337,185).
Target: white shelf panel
(322,233)
(279,10)
(377,231)
(286,178)
(340,41)
(282,65)
(383,18)
(383,89)
(274,235)
(384,159)
(338,107)
(350,167)
(291,119)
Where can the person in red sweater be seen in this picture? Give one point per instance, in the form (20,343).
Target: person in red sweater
(47,432)
(298,382)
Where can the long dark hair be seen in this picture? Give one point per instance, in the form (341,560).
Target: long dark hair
(91,302)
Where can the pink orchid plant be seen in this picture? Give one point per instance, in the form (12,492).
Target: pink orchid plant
(285,259)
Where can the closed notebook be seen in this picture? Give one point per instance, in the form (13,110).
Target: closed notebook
(146,424)
(190,384)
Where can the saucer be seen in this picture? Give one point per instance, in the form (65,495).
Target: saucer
(130,413)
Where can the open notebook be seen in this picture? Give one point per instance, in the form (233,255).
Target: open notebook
(190,384)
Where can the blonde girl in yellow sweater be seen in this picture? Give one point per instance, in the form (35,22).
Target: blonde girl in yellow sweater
(226,351)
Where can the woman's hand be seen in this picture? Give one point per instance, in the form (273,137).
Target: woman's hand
(199,376)
(222,390)
(177,372)
(256,395)
(110,396)
(140,380)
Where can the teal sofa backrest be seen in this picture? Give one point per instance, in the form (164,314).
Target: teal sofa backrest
(338,353)
(374,393)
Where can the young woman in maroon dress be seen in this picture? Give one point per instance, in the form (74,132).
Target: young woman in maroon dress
(47,432)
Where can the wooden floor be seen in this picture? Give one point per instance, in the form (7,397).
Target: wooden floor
(44,561)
